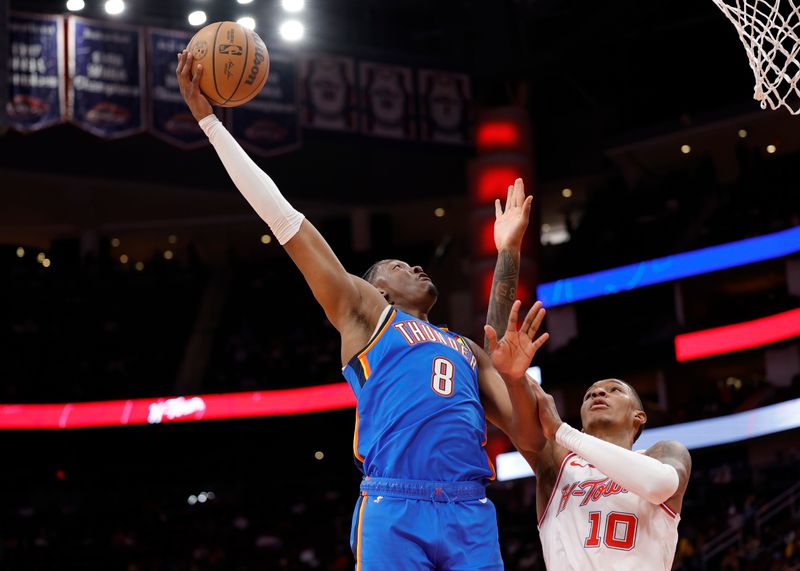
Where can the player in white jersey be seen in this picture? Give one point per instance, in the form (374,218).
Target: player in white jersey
(602,506)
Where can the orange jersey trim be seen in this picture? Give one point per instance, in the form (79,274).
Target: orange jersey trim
(355,441)
(488,459)
(360,527)
(362,356)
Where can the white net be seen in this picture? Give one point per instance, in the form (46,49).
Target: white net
(769,31)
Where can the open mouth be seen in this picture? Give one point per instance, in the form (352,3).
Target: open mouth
(599,405)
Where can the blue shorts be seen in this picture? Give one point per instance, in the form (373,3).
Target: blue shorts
(410,525)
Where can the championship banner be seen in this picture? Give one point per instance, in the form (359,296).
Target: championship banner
(329,94)
(168,117)
(445,107)
(387,96)
(106,68)
(36,71)
(269,124)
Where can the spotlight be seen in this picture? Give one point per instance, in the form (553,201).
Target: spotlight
(293,5)
(292,30)
(266,239)
(566,193)
(319,455)
(168,254)
(46,263)
(114,242)
(20,252)
(172,238)
(197,18)
(75,5)
(742,133)
(686,149)
(247,22)
(771,149)
(139,266)
(192,500)
(115,7)
(123,259)
(244,1)
(439,213)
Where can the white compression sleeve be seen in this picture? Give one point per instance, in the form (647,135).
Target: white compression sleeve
(646,477)
(254,184)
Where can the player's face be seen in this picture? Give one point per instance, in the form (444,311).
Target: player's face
(608,402)
(406,285)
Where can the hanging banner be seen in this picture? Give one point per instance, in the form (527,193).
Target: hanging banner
(269,124)
(106,68)
(168,117)
(387,96)
(445,107)
(36,71)
(328,93)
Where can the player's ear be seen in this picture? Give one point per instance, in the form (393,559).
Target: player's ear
(641,416)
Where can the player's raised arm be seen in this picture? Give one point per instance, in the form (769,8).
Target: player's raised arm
(345,298)
(506,391)
(509,227)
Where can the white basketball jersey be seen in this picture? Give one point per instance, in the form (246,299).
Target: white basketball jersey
(593,523)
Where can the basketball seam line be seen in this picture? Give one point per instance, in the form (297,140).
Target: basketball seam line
(261,85)
(214,59)
(244,66)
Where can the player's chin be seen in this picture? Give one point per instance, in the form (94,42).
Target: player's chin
(432,290)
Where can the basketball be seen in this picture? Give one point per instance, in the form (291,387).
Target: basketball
(235,63)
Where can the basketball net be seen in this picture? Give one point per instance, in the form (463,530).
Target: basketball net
(769,31)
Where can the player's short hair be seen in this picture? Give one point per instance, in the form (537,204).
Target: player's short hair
(372,272)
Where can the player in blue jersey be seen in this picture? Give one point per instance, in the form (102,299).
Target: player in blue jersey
(420,422)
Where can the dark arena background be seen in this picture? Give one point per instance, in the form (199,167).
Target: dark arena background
(170,392)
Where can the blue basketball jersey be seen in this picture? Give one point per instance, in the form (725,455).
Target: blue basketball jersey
(419,415)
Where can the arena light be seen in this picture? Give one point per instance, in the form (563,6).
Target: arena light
(177,409)
(292,30)
(737,337)
(493,181)
(114,7)
(75,5)
(670,268)
(698,434)
(197,18)
(247,22)
(293,5)
(493,134)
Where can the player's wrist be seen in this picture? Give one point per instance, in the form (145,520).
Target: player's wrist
(511,247)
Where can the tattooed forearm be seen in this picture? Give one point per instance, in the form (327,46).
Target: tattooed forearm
(504,292)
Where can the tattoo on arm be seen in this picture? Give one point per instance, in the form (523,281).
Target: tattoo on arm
(504,292)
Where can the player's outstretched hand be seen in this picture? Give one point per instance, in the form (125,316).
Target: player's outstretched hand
(510,222)
(512,355)
(548,413)
(190,88)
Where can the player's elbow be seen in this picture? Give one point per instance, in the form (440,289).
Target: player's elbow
(661,487)
(531,442)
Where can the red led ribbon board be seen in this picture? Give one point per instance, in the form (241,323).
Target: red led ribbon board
(737,337)
(177,409)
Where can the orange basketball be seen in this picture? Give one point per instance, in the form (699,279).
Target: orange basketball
(235,63)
